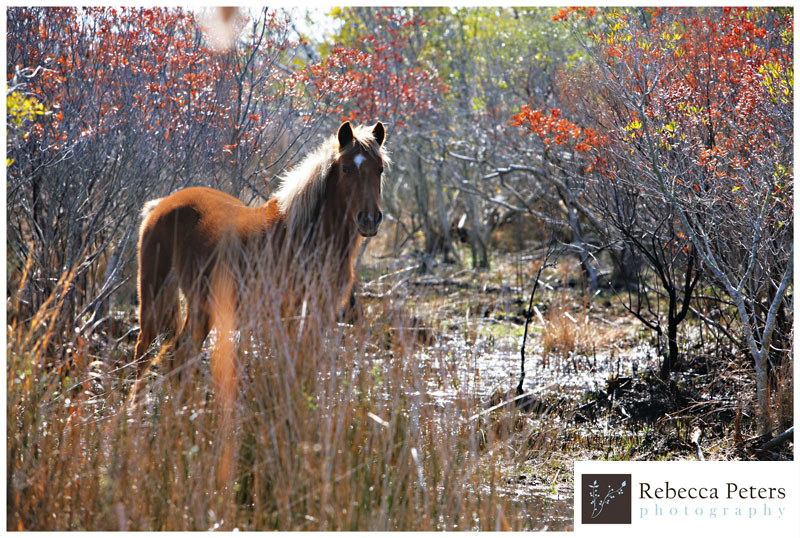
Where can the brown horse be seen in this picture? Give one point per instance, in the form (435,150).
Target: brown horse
(209,245)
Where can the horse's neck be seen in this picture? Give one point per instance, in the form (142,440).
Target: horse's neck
(339,231)
(329,233)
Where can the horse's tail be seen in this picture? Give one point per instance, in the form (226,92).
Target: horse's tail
(149,207)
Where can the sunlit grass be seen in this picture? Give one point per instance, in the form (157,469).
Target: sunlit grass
(331,429)
(312,424)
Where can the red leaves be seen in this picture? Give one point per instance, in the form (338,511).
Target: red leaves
(554,129)
(716,94)
(148,63)
(563,14)
(372,79)
(591,140)
(725,94)
(551,129)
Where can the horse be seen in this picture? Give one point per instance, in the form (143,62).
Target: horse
(215,250)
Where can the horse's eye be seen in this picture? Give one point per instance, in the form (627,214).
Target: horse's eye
(380,171)
(346,169)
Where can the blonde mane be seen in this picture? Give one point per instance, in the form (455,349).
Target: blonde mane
(302,187)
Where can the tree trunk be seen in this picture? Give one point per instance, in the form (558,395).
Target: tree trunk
(421,193)
(674,317)
(672,341)
(586,262)
(444,225)
(480,255)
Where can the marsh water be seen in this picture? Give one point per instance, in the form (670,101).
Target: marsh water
(487,365)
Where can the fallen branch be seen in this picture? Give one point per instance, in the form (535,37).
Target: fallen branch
(779,439)
(463,285)
(496,407)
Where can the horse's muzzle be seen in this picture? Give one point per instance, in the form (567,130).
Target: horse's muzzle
(367,223)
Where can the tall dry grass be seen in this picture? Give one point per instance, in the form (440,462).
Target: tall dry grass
(290,423)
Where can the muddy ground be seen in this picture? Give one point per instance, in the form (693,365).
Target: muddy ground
(592,388)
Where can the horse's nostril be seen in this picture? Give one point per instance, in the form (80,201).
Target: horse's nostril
(366,219)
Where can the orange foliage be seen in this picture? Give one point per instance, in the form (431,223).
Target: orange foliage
(715,86)
(557,130)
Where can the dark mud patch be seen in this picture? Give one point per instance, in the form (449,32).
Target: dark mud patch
(703,412)
(692,416)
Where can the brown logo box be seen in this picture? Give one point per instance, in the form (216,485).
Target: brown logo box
(606,498)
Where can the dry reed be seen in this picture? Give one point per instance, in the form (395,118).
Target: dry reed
(290,423)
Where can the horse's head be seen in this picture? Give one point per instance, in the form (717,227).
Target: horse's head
(360,166)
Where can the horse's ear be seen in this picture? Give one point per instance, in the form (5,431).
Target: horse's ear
(345,135)
(379,133)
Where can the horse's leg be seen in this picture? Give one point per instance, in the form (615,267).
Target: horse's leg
(162,319)
(196,327)
(146,322)
(201,325)
(146,328)
(223,303)
(158,299)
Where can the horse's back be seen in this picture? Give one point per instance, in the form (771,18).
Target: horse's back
(206,211)
(191,225)
(205,202)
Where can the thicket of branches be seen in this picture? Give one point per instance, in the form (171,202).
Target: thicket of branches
(657,142)
(117,107)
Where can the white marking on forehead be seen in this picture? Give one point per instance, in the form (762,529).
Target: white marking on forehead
(358,159)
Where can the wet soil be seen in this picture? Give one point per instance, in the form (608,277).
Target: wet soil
(601,400)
